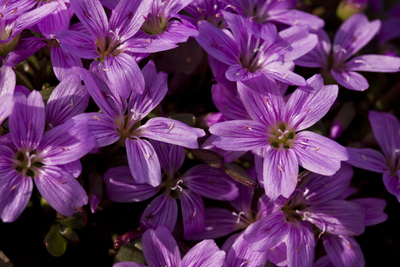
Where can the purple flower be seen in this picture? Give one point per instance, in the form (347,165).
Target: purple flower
(49,158)
(352,35)
(112,41)
(390,28)
(115,125)
(160,249)
(275,127)
(250,52)
(201,180)
(209,10)
(275,11)
(386,129)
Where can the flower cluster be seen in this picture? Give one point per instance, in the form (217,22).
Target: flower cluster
(89,116)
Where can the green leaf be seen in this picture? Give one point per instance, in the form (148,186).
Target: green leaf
(69,234)
(55,242)
(76,221)
(131,252)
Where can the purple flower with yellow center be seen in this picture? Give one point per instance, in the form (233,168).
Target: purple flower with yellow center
(161,249)
(44,157)
(386,129)
(352,35)
(275,129)
(249,52)
(112,41)
(121,122)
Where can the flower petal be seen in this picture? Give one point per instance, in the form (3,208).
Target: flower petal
(343,251)
(192,208)
(367,159)
(162,211)
(64,64)
(204,254)
(143,162)
(392,184)
(300,243)
(78,44)
(373,210)
(171,157)
(350,79)
(373,63)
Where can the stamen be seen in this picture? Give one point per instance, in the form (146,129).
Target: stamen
(178,186)
(239,216)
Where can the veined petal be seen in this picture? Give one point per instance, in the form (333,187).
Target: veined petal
(177,32)
(267,232)
(324,261)
(27,120)
(68,99)
(78,44)
(338,217)
(239,135)
(7,81)
(24,49)
(236,73)
(352,35)
(121,187)
(204,254)
(6,106)
(319,154)
(350,79)
(60,189)
(282,71)
(171,131)
(318,57)
(128,16)
(156,87)
(217,43)
(143,161)
(343,251)
(54,22)
(392,183)
(192,208)
(373,210)
(171,157)
(300,243)
(160,248)
(210,182)
(15,192)
(241,255)
(373,63)
(64,64)
(310,103)
(280,173)
(136,45)
(162,211)
(296,17)
(66,143)
(243,202)
(91,13)
(386,129)
(367,159)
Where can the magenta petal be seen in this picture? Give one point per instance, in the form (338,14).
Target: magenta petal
(310,103)
(280,173)
(262,99)
(373,63)
(392,184)
(204,254)
(143,162)
(210,182)
(66,143)
(241,255)
(300,243)
(219,222)
(68,99)
(91,13)
(217,43)
(373,210)
(56,21)
(60,189)
(171,131)
(15,192)
(367,159)
(343,251)
(350,79)
(386,130)
(78,44)
(140,105)
(319,154)
(120,186)
(267,232)
(123,71)
(163,210)
(64,64)
(27,120)
(192,207)
(128,16)
(160,248)
(338,217)
(239,135)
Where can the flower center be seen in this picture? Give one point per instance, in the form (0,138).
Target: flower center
(26,162)
(126,127)
(281,136)
(107,46)
(294,208)
(154,24)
